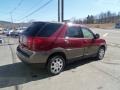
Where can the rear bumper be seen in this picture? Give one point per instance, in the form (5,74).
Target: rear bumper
(32,57)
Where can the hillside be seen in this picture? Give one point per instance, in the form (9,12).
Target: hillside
(6,24)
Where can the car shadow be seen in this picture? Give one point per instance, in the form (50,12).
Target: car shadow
(19,73)
(78,63)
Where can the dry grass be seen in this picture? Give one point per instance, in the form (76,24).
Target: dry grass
(102,26)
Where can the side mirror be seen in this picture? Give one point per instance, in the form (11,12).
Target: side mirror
(97,36)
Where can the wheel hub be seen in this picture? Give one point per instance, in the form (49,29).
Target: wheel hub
(56,65)
(101,53)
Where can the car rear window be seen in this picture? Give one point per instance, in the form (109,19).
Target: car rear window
(33,29)
(49,29)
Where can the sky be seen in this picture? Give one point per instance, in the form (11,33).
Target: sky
(73,9)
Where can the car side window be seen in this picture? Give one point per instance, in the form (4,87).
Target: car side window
(49,30)
(87,33)
(74,32)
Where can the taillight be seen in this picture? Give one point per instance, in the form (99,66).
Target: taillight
(26,41)
(29,42)
(37,43)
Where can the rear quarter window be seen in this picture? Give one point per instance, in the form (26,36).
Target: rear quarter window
(33,29)
(49,29)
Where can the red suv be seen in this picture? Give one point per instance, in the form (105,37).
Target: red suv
(53,45)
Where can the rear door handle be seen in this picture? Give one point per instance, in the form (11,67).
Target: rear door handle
(67,41)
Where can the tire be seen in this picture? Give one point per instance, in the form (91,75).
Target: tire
(55,65)
(101,53)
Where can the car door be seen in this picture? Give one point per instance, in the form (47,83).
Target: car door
(74,42)
(90,47)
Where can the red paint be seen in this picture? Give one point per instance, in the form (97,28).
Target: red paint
(58,40)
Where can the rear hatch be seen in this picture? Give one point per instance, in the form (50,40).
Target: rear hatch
(38,36)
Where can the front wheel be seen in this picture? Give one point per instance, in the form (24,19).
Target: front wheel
(101,53)
(55,65)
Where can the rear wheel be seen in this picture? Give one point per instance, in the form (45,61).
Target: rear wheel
(101,53)
(55,65)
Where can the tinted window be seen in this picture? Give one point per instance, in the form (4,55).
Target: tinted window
(74,32)
(33,29)
(87,33)
(49,30)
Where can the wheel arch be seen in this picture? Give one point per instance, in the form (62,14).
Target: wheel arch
(103,46)
(55,54)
